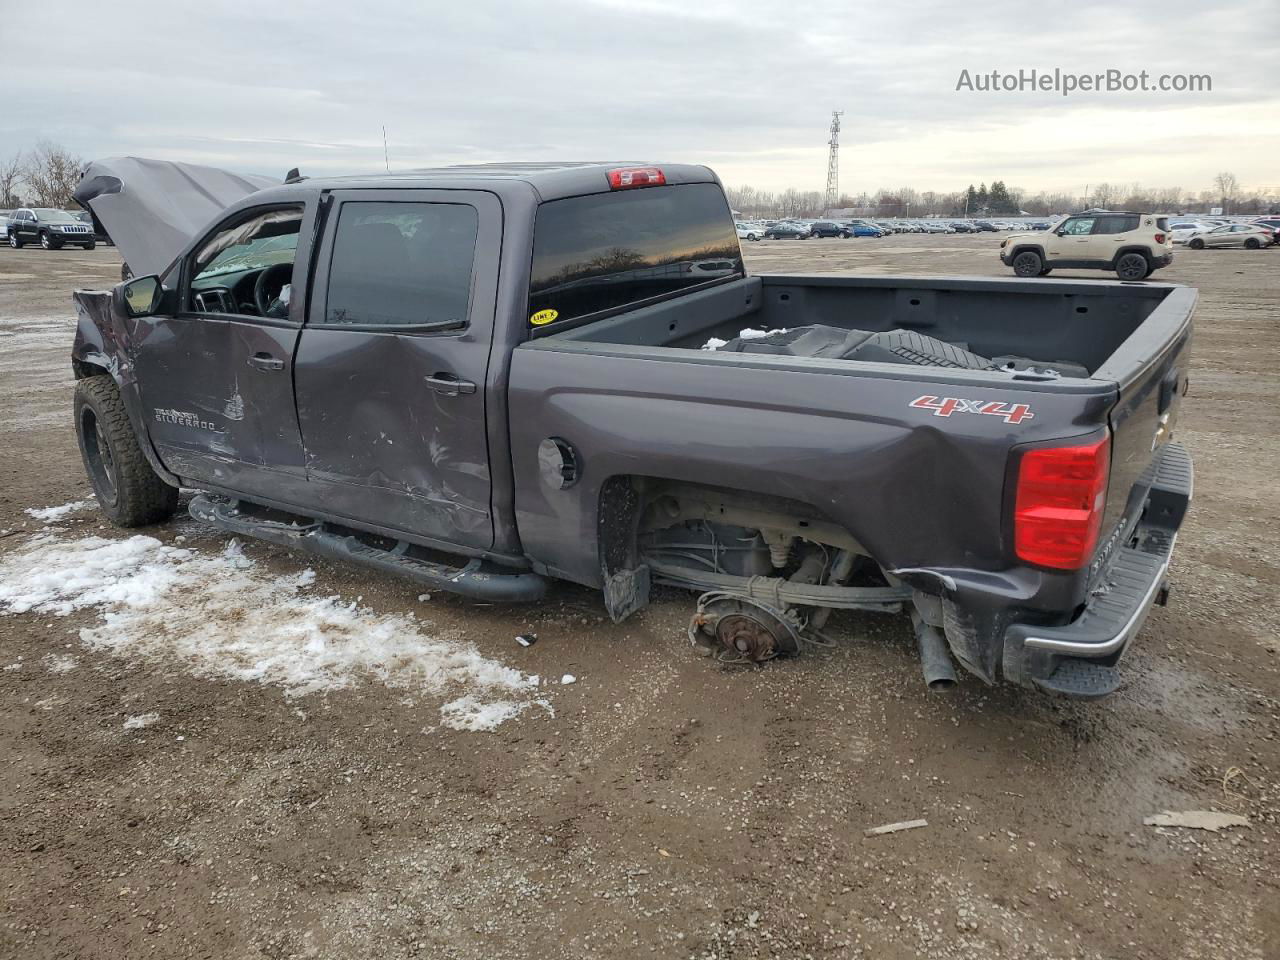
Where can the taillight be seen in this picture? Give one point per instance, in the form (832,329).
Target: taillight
(627,177)
(1159,238)
(1061,495)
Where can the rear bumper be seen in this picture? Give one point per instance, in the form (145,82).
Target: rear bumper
(1080,658)
(1163,261)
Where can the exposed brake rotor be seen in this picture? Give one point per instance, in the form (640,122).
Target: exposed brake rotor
(742,630)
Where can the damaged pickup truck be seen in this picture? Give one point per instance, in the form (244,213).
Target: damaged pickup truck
(483,377)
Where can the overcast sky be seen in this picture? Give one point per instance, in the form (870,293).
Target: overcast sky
(741,85)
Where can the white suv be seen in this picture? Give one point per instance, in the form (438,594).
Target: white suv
(1131,244)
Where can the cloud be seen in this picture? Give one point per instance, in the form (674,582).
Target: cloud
(744,86)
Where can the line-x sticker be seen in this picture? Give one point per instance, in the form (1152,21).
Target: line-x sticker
(946,406)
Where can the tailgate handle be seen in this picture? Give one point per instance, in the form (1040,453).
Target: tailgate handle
(1168,389)
(448,385)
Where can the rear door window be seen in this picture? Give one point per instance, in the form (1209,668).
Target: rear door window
(607,251)
(402,264)
(1107,225)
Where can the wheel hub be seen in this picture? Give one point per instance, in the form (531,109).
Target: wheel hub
(742,630)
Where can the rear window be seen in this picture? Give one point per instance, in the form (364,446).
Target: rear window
(611,250)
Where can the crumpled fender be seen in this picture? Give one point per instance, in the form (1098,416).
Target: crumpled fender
(102,343)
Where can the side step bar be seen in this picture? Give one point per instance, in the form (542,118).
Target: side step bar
(476,579)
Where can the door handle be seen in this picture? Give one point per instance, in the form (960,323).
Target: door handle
(447,385)
(264,361)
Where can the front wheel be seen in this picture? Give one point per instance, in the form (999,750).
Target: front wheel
(1132,266)
(129,492)
(49,243)
(1252,244)
(1196,244)
(1028,264)
(90,245)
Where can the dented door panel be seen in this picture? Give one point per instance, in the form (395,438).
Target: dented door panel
(393,418)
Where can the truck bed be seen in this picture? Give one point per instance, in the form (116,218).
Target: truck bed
(868,446)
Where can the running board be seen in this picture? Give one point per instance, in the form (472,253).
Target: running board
(476,579)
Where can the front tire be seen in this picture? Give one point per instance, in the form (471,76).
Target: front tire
(1133,266)
(1028,264)
(49,243)
(1196,244)
(90,245)
(1252,244)
(129,492)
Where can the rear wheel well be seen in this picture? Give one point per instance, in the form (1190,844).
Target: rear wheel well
(635,508)
(1123,250)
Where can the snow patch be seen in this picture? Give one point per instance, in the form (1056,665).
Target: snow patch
(140,721)
(750,333)
(63,663)
(50,514)
(218,616)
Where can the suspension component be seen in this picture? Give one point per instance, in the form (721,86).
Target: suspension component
(743,630)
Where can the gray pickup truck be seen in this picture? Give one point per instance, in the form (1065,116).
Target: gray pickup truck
(483,377)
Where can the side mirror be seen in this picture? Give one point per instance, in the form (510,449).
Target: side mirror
(142,296)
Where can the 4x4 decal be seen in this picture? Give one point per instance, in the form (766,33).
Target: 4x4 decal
(946,406)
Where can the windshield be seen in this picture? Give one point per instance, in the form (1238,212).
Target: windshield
(54,216)
(264,240)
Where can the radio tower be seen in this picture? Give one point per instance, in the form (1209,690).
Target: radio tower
(833,163)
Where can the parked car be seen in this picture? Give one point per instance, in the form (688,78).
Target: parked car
(749,231)
(1183,230)
(783,230)
(860,228)
(591,440)
(1250,236)
(1131,244)
(50,228)
(960,226)
(4,223)
(1272,222)
(83,216)
(827,228)
(985,226)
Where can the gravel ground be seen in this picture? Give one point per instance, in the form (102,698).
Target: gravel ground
(153,804)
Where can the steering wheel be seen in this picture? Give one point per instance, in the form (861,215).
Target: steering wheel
(278,275)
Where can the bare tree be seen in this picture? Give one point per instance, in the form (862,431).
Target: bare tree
(51,174)
(1228,187)
(10,175)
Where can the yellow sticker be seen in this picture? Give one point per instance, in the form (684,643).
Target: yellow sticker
(543,317)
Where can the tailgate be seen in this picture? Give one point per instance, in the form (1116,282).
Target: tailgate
(1151,370)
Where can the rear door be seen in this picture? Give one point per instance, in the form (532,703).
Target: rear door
(391,367)
(1112,233)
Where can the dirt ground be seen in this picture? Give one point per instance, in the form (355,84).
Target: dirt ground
(671,807)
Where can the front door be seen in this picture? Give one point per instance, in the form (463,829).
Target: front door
(1072,240)
(392,366)
(216,377)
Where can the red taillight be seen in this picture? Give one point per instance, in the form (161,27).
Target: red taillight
(1061,495)
(627,177)
(1159,238)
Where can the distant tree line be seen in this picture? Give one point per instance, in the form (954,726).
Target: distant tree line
(999,200)
(44,176)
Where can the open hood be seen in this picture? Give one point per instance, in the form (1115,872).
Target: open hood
(151,209)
